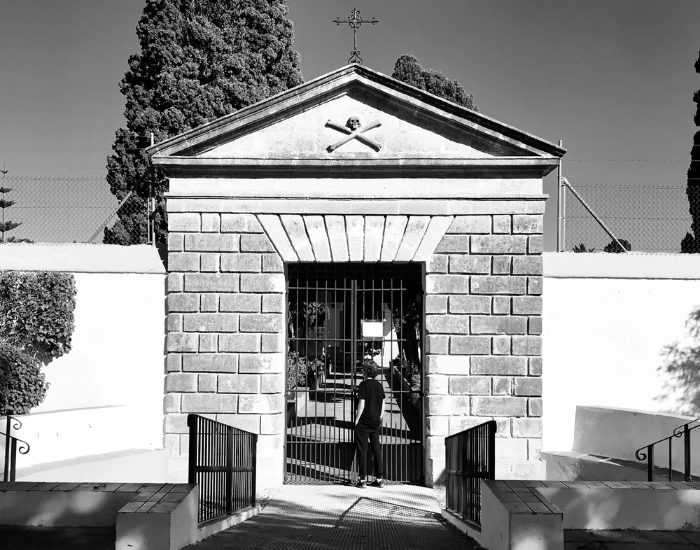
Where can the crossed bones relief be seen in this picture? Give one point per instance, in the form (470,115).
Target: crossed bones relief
(354,130)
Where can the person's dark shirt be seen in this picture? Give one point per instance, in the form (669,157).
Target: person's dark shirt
(373,393)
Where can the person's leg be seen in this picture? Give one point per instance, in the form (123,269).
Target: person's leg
(361,445)
(377,455)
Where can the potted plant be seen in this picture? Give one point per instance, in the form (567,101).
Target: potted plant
(297,370)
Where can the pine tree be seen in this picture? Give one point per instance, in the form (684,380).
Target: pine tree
(408,70)
(691,241)
(6,225)
(199,60)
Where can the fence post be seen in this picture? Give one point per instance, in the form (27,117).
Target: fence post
(492,449)
(7,450)
(192,458)
(229,470)
(13,459)
(686,449)
(595,216)
(560,204)
(254,454)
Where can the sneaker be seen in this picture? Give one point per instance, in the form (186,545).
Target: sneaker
(362,484)
(377,483)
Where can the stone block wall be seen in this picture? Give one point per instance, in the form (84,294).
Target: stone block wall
(483,311)
(225,334)
(226,329)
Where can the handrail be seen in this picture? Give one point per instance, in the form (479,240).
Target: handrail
(678,431)
(11,447)
(470,456)
(222,461)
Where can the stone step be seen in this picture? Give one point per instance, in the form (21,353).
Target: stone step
(574,466)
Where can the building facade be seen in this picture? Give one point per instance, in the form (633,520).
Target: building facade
(356,217)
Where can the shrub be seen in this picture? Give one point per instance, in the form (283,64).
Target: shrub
(614,248)
(22,384)
(37,311)
(582,248)
(297,370)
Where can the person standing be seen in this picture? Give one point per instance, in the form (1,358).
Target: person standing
(368,424)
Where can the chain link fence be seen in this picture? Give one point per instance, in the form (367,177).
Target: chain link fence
(82,209)
(53,210)
(649,218)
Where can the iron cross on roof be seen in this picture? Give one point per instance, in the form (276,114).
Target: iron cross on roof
(355,21)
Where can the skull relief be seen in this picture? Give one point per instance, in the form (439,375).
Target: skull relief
(353,123)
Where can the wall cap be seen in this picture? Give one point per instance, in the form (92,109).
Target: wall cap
(80,258)
(633,265)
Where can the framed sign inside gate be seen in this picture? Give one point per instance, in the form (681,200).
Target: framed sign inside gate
(372,329)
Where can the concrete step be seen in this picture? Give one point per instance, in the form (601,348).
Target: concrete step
(125,466)
(574,466)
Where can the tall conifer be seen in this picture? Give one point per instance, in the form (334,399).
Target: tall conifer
(408,70)
(5,224)
(199,60)
(691,242)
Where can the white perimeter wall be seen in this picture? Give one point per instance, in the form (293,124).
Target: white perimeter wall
(107,393)
(607,318)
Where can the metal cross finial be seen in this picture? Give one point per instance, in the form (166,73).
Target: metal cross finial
(355,21)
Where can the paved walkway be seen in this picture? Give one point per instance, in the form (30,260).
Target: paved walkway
(57,538)
(631,540)
(337,517)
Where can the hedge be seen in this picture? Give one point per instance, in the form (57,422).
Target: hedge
(37,312)
(22,384)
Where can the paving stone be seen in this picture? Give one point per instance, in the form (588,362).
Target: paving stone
(341,517)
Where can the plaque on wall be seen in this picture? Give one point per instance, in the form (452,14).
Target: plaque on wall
(372,329)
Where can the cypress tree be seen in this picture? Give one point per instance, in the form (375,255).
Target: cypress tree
(5,224)
(691,241)
(199,60)
(408,70)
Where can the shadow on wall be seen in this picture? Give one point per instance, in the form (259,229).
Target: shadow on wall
(681,370)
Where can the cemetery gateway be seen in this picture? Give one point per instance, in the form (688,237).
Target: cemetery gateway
(355,216)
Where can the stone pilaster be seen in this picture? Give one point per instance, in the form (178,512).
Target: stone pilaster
(225,333)
(484,343)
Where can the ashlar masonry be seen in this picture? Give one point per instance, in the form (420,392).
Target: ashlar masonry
(430,183)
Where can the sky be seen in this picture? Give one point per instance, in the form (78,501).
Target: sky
(613,80)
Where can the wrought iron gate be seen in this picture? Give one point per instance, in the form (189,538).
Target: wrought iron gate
(337,315)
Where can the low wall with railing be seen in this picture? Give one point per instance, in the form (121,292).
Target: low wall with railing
(106,395)
(222,461)
(145,516)
(618,433)
(533,514)
(608,320)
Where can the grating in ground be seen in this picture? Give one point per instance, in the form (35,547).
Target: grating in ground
(337,517)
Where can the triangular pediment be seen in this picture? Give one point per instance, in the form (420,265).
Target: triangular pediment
(315,126)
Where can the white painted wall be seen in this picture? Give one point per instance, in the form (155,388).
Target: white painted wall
(107,393)
(607,318)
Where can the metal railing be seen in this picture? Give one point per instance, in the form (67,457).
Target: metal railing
(470,456)
(222,462)
(12,447)
(647,452)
